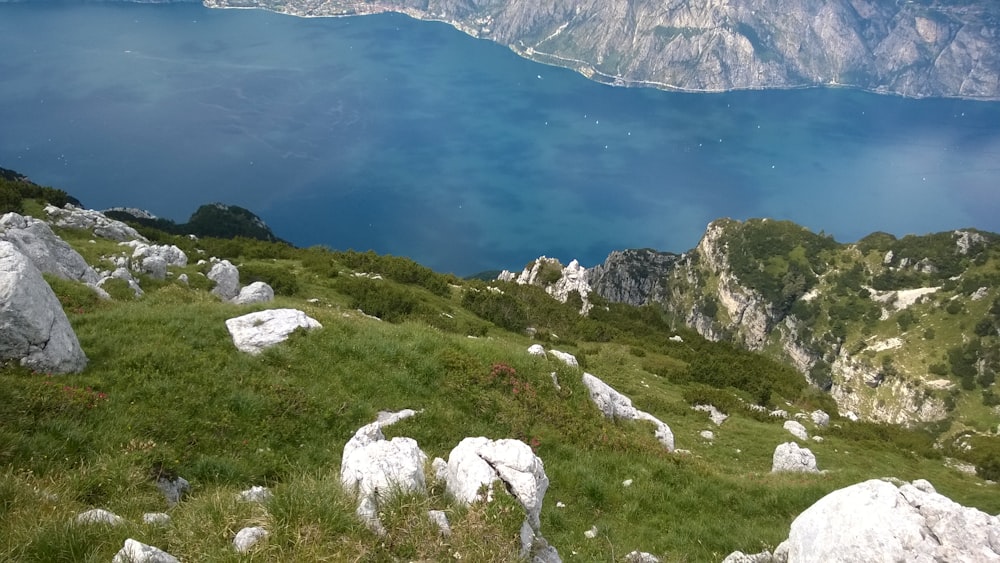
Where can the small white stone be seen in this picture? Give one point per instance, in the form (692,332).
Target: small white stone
(255,494)
(248,537)
(627,483)
(591,533)
(156,518)
(99,516)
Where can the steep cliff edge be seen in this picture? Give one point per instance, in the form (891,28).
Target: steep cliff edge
(919,49)
(898,330)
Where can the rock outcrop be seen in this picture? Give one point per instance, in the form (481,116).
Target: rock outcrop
(35,329)
(254,332)
(71,217)
(796,429)
(878,521)
(632,276)
(374,468)
(248,537)
(614,405)
(49,253)
(558,281)
(226,278)
(480,462)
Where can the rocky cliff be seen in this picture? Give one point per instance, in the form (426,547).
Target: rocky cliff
(898,330)
(925,48)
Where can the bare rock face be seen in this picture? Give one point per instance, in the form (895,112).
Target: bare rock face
(878,521)
(33,327)
(49,253)
(632,276)
(933,48)
(558,281)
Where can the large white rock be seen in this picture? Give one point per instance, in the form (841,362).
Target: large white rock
(257,292)
(374,468)
(878,521)
(75,218)
(790,457)
(49,253)
(226,278)
(33,327)
(138,552)
(615,405)
(566,358)
(796,429)
(254,332)
(475,462)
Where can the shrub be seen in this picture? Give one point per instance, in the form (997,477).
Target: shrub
(499,308)
(281,279)
(382,299)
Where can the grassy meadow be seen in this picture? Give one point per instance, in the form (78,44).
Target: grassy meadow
(166,393)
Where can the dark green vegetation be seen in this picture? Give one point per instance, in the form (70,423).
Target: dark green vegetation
(15,188)
(166,391)
(211,220)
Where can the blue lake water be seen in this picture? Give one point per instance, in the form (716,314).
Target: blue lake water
(414,139)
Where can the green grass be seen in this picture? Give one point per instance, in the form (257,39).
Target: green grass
(166,390)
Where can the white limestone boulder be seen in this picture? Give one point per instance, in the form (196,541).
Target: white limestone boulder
(226,278)
(49,253)
(614,405)
(536,350)
(33,327)
(374,468)
(246,538)
(156,519)
(475,462)
(255,493)
(820,418)
(254,332)
(796,429)
(878,521)
(153,266)
(99,516)
(75,218)
(566,358)
(790,457)
(717,416)
(257,292)
(138,552)
(171,255)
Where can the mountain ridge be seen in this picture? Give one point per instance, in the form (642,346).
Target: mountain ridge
(890,327)
(918,49)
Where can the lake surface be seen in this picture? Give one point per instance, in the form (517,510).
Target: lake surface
(414,139)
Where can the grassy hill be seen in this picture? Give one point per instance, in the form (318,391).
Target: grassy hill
(166,393)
